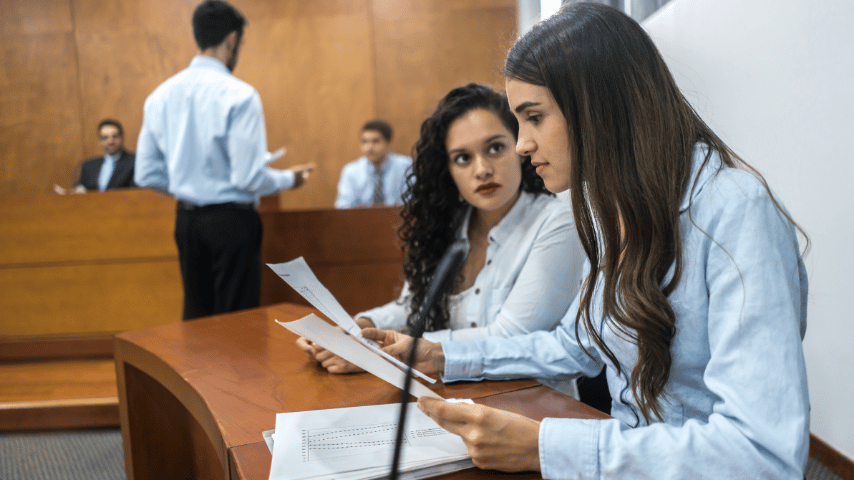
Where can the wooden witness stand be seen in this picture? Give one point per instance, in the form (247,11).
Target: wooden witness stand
(195,396)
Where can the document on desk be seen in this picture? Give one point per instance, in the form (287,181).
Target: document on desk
(315,329)
(299,276)
(358,442)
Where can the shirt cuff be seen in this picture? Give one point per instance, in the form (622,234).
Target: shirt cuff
(383,318)
(463,361)
(569,448)
(438,336)
(285,179)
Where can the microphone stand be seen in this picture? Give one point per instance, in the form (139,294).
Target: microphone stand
(442,281)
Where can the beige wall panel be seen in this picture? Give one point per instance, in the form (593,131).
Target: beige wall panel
(126,49)
(389,9)
(255,10)
(423,53)
(315,76)
(114,84)
(39,113)
(39,108)
(29,17)
(71,299)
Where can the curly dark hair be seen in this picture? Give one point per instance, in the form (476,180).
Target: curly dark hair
(433,209)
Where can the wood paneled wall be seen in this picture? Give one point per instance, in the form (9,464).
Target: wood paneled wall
(322,67)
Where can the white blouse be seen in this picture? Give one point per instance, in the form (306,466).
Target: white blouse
(531,274)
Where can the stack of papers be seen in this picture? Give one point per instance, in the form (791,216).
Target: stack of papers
(358,443)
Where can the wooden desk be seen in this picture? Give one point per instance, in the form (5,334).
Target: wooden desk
(195,396)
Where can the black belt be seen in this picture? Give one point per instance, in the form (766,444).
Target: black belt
(184,205)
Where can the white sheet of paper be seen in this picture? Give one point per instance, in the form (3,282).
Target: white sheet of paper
(273,156)
(358,442)
(337,342)
(299,276)
(268,438)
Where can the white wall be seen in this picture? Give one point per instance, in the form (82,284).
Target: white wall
(775,78)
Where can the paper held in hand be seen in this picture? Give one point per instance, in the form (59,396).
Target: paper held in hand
(299,276)
(343,345)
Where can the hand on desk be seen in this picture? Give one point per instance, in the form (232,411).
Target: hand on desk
(496,439)
(328,360)
(62,191)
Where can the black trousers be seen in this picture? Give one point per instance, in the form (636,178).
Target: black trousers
(219,250)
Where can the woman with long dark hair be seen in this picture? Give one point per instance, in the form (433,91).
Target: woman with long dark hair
(524,261)
(694,294)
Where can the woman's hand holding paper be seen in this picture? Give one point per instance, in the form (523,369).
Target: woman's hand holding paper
(496,439)
(429,359)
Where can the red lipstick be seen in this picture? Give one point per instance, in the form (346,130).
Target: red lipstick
(487,187)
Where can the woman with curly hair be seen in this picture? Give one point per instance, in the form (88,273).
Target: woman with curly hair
(694,293)
(524,262)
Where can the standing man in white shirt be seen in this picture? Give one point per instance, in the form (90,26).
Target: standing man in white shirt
(203,140)
(379,176)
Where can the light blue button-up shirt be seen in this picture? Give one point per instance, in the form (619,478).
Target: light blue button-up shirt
(107,169)
(356,185)
(204,141)
(736,403)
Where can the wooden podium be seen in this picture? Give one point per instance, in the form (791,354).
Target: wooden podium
(195,396)
(87,265)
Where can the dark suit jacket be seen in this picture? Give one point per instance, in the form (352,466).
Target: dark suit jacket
(122,174)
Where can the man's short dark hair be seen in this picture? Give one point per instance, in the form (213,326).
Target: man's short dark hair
(379,126)
(110,121)
(213,20)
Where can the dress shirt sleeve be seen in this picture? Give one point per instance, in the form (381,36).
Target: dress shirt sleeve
(541,294)
(759,421)
(346,190)
(393,315)
(150,165)
(541,354)
(247,151)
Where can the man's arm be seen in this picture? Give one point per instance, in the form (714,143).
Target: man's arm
(247,150)
(150,165)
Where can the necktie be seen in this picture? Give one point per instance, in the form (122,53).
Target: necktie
(378,186)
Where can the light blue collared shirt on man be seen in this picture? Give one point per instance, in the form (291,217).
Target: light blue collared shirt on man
(356,186)
(736,403)
(188,147)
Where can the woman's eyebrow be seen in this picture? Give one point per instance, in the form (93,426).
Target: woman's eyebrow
(524,105)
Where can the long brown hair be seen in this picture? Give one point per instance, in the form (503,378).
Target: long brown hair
(632,137)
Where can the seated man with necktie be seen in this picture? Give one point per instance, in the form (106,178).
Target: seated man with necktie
(379,176)
(112,170)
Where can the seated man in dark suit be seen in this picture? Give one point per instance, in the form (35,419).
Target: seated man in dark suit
(112,170)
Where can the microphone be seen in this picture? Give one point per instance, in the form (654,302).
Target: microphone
(443,278)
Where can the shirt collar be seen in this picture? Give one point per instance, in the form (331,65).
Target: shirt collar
(699,178)
(113,158)
(209,63)
(383,166)
(507,225)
